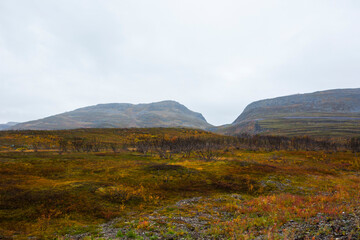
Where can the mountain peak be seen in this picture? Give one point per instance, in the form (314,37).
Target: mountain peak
(122,115)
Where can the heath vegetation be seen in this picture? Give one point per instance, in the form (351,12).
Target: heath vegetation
(177,184)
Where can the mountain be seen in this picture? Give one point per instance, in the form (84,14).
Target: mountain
(121,115)
(6,126)
(323,113)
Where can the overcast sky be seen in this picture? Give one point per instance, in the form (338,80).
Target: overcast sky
(215,57)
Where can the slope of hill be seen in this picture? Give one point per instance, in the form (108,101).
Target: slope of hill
(324,113)
(5,126)
(121,115)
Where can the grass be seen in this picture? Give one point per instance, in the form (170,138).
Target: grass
(310,127)
(22,141)
(241,194)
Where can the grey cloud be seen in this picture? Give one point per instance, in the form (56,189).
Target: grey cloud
(213,56)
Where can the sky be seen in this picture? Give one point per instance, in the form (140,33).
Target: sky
(213,56)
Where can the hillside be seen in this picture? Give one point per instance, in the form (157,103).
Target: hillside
(324,113)
(5,126)
(121,115)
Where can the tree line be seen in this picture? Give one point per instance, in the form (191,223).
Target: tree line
(206,148)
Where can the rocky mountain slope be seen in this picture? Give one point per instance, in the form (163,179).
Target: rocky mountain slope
(324,112)
(121,115)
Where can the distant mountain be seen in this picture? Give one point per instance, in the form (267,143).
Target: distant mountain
(327,113)
(121,115)
(324,113)
(5,126)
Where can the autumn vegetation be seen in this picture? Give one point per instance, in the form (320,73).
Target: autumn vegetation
(59,184)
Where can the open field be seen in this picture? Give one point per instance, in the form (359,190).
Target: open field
(216,193)
(49,140)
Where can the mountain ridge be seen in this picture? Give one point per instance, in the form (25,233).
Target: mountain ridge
(166,113)
(316,102)
(327,108)
(320,112)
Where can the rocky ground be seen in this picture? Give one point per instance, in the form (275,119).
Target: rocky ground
(346,226)
(195,218)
